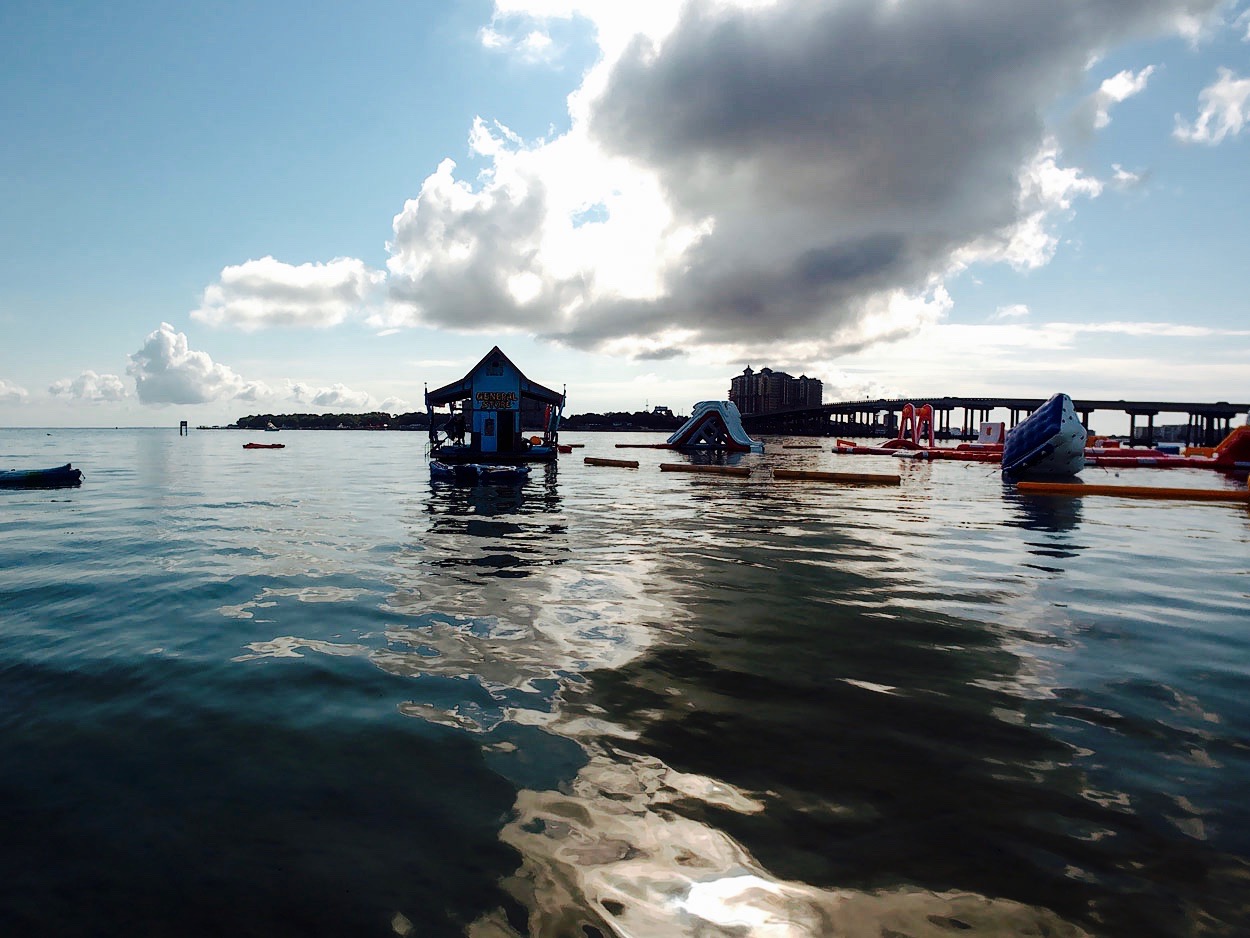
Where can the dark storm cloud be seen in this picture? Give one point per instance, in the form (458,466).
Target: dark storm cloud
(830,154)
(660,355)
(846,148)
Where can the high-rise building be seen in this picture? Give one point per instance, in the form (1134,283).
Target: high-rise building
(767,390)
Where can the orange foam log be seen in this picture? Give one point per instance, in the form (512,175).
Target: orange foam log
(851,478)
(717,470)
(1133,491)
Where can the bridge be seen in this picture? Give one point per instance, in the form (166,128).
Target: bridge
(1207,424)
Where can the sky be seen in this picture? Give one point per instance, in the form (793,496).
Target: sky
(214,210)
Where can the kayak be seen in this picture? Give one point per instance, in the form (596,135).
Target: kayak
(55,478)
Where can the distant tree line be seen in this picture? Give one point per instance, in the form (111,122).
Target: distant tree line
(619,420)
(376,420)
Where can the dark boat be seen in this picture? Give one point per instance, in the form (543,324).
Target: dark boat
(264,446)
(56,478)
(473,473)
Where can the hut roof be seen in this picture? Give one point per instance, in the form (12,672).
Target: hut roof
(463,389)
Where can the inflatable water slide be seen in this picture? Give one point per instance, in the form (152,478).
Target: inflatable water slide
(715,425)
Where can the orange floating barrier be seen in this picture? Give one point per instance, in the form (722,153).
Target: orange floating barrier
(600,461)
(1133,491)
(850,478)
(717,470)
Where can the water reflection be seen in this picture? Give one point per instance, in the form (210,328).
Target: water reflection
(1049,513)
(875,745)
(727,682)
(744,707)
(1054,517)
(487,593)
(645,703)
(634,847)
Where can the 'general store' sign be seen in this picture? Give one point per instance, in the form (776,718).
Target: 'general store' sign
(495,400)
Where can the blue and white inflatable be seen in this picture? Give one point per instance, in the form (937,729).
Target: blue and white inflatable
(1048,442)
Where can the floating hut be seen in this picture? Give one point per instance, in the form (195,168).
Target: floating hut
(488,413)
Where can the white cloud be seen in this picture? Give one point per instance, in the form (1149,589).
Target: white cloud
(1160,329)
(266,293)
(333,397)
(439,363)
(1119,87)
(615,24)
(779,176)
(1123,178)
(1049,187)
(493,39)
(11,393)
(90,386)
(745,178)
(1110,360)
(1047,191)
(534,47)
(167,371)
(1225,107)
(395,405)
(1014,311)
(254,391)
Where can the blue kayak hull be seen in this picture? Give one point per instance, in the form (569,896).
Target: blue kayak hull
(56,478)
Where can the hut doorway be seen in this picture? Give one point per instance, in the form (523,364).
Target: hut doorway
(506,441)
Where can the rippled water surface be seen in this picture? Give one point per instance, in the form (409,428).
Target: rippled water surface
(307,692)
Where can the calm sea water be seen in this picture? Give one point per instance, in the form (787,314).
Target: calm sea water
(306,692)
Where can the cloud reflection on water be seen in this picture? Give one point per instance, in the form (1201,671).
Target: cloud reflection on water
(617,846)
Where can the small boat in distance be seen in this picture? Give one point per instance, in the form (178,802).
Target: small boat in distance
(57,477)
(264,446)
